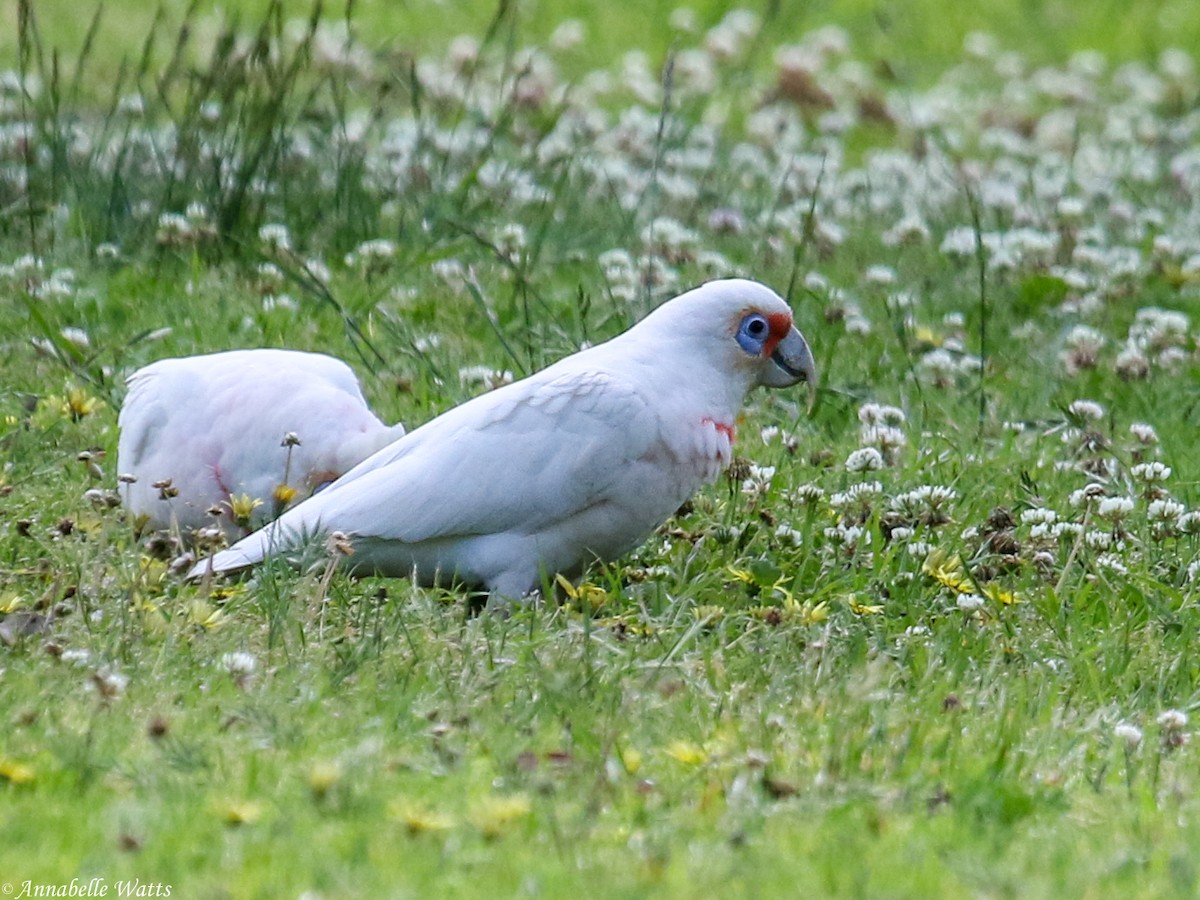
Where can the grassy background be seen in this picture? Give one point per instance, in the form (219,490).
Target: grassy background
(724,713)
(918,38)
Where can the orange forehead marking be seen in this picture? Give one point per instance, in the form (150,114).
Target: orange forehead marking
(781,324)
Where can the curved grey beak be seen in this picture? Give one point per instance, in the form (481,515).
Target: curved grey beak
(791,362)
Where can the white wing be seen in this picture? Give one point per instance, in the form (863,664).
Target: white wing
(517,460)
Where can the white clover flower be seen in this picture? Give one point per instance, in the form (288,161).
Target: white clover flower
(1173,359)
(132,105)
(371,253)
(76,336)
(1071,208)
(1086,495)
(940,367)
(1115,508)
(1038,515)
(881,414)
(789,534)
(911,229)
(486,376)
(78,656)
(848,536)
(1132,364)
(969,602)
(865,459)
(1144,433)
(927,502)
(902,533)
(109,683)
(1112,563)
(1128,734)
(808,493)
(863,492)
(887,438)
(568,34)
(1086,409)
(1151,472)
(857,324)
(959,241)
(197,213)
(1099,540)
(816,283)
(918,549)
(1060,530)
(275,237)
(880,275)
(239,663)
(173,229)
(1039,531)
(1164,510)
(757,480)
(1189,522)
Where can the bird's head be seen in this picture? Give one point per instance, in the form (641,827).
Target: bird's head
(742,327)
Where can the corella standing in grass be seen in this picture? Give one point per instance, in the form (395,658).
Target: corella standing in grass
(245,433)
(578,462)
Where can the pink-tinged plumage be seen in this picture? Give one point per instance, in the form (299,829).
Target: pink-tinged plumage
(580,461)
(214,426)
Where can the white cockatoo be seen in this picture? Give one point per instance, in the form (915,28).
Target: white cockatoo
(224,430)
(578,462)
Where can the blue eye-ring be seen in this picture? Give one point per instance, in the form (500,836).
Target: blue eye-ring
(753,333)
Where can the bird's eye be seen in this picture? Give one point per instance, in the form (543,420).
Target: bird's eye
(753,333)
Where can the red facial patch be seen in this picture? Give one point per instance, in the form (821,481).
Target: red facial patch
(781,324)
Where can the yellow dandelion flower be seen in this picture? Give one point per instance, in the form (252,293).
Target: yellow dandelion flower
(78,403)
(948,570)
(806,613)
(863,609)
(11,602)
(16,772)
(926,336)
(240,812)
(743,575)
(242,506)
(1000,595)
(709,613)
(283,495)
(323,776)
(585,594)
(419,819)
(494,816)
(631,760)
(686,752)
(204,615)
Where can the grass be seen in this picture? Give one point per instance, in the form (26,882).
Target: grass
(805,683)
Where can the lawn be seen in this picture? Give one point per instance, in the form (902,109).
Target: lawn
(933,634)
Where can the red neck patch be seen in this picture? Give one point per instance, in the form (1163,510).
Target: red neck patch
(729,431)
